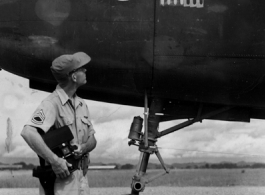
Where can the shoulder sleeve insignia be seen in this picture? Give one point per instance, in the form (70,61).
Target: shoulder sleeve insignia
(38,118)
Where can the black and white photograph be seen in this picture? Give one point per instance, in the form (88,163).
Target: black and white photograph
(132,97)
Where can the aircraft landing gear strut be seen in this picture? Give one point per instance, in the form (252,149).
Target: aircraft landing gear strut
(146,144)
(147,141)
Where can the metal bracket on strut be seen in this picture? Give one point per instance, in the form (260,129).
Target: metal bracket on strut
(140,179)
(163,165)
(152,150)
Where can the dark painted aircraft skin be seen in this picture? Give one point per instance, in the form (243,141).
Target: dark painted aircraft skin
(209,53)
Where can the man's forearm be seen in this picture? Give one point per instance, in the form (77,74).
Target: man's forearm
(35,141)
(89,145)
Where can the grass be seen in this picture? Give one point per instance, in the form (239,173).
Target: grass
(176,178)
(17,179)
(242,190)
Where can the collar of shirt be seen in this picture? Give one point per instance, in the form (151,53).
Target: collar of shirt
(64,97)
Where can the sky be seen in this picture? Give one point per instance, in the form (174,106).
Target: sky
(209,141)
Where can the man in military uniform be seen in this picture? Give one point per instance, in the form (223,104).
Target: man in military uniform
(64,107)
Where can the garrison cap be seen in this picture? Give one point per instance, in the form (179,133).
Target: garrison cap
(64,64)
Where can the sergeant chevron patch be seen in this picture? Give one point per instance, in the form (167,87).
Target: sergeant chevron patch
(38,118)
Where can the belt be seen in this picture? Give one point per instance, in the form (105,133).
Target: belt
(83,164)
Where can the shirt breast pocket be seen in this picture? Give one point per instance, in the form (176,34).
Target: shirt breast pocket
(65,120)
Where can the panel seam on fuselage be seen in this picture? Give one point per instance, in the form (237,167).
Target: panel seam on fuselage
(154,40)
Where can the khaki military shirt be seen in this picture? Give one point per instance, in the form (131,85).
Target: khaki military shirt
(58,110)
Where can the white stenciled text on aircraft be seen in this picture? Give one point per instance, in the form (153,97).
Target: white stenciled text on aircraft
(184,3)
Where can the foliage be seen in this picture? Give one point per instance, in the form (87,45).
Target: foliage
(25,166)
(127,166)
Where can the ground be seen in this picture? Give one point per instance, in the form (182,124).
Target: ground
(155,191)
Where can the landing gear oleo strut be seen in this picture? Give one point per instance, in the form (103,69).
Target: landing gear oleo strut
(146,141)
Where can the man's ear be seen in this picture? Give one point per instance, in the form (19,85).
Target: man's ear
(74,77)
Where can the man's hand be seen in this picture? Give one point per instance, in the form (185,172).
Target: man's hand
(60,168)
(78,152)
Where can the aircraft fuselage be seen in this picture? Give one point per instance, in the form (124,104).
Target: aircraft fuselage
(209,51)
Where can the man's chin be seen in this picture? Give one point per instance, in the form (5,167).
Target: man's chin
(84,82)
(81,85)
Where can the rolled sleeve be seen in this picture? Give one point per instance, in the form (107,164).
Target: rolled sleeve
(88,129)
(91,130)
(43,117)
